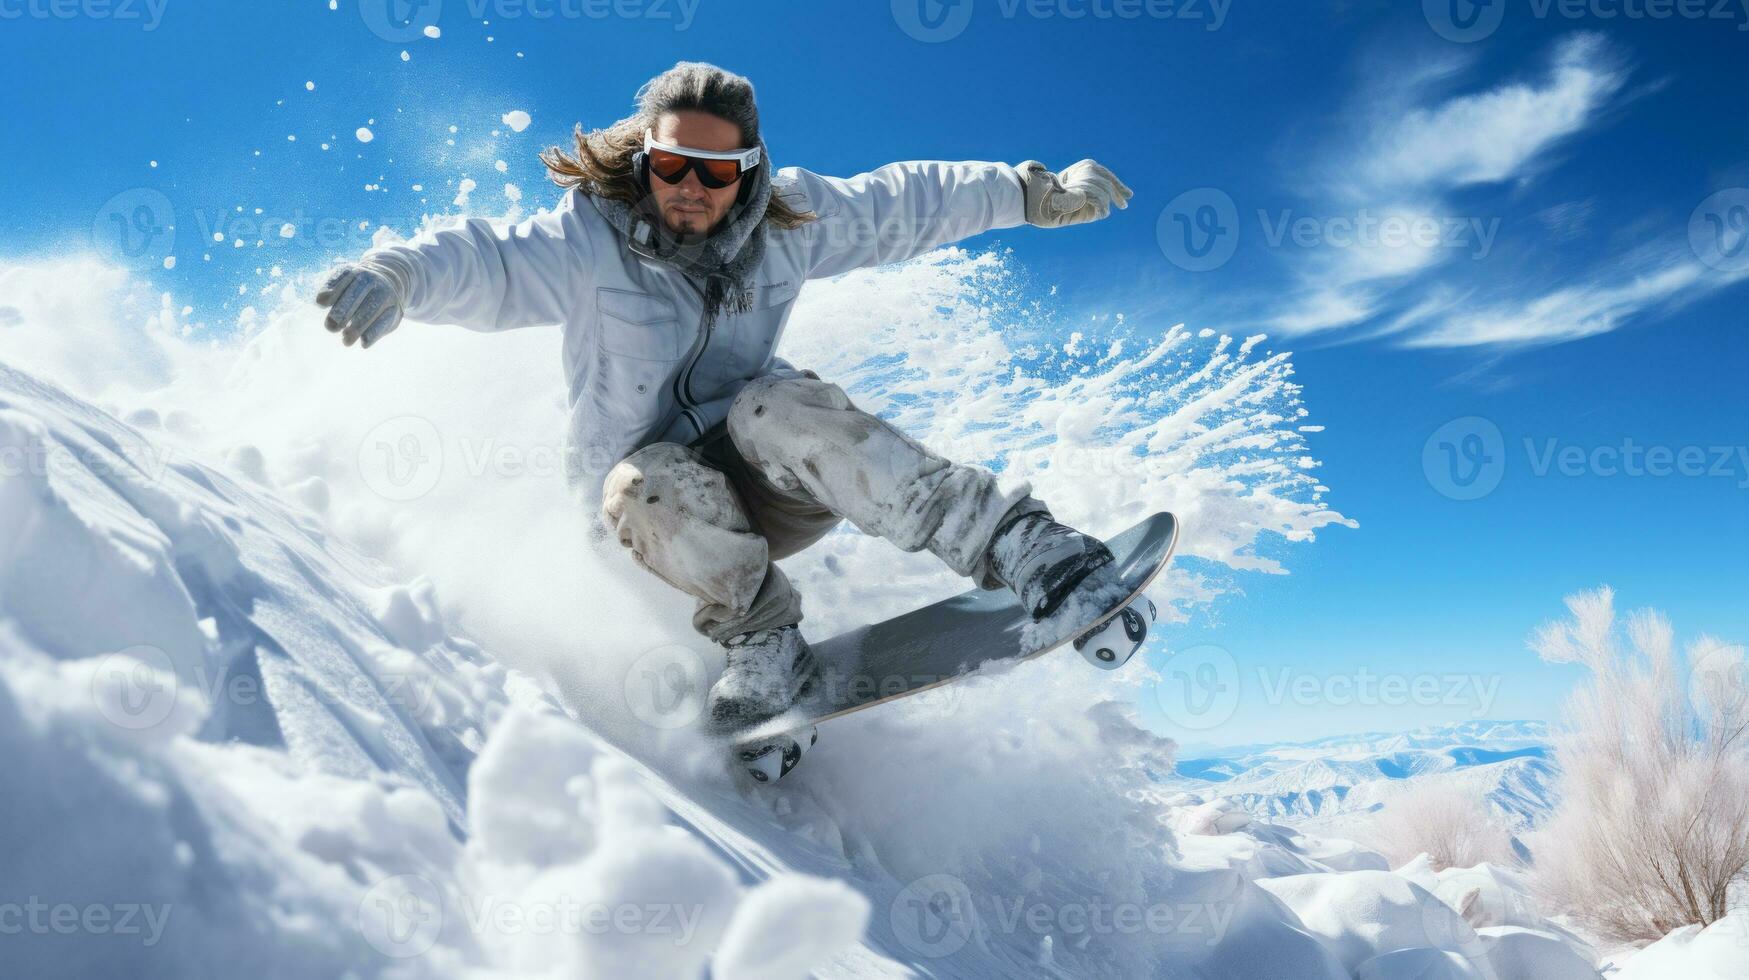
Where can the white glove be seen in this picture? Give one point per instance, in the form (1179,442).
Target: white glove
(362,304)
(1083,192)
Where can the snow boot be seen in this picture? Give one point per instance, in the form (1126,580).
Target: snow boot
(767,671)
(1043,561)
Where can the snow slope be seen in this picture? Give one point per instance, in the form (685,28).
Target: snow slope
(238,748)
(342,811)
(245,740)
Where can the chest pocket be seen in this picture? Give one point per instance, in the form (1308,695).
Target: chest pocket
(759,329)
(639,325)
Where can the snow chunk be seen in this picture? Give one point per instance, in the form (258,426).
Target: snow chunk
(1512,951)
(517,120)
(249,461)
(1717,952)
(788,927)
(1213,818)
(520,801)
(365,135)
(1364,914)
(1422,963)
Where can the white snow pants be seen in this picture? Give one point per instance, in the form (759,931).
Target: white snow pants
(794,459)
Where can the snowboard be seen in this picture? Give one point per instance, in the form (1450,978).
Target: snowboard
(941,643)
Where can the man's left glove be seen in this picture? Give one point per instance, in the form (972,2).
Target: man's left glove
(1083,192)
(363,303)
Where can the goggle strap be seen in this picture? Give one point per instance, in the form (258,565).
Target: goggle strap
(747,158)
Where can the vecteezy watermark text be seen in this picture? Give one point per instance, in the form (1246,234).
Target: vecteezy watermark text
(1201,686)
(1466,21)
(1467,458)
(147,13)
(404,915)
(401,21)
(934,21)
(139,688)
(36,917)
(936,915)
(1200,229)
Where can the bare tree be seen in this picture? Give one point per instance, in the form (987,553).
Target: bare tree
(1651,831)
(1454,828)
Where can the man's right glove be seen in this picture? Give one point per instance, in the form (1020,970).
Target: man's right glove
(1084,191)
(363,304)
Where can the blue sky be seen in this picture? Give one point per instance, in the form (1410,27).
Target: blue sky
(1577,167)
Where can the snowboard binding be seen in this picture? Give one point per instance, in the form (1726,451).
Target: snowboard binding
(771,760)
(1111,644)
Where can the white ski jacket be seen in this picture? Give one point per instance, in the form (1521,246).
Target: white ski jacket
(640,364)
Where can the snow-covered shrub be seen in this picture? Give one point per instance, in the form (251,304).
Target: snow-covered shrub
(1652,829)
(1454,828)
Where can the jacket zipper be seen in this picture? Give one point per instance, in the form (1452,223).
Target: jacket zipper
(683,380)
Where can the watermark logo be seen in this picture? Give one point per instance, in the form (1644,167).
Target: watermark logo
(1718,680)
(401,459)
(1464,21)
(1718,230)
(932,21)
(665,687)
(1465,458)
(135,228)
(934,916)
(1462,900)
(1199,229)
(401,916)
(1199,687)
(400,21)
(135,688)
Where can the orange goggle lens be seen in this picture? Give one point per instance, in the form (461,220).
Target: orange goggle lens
(672,168)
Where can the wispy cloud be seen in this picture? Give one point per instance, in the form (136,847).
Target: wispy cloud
(1496,135)
(1410,160)
(1598,305)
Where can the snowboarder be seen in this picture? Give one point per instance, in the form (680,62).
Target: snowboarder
(672,264)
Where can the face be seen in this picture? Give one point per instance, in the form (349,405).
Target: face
(689,207)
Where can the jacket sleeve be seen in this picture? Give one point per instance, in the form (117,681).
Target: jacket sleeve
(488,277)
(900,210)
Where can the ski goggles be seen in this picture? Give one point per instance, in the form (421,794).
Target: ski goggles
(715,168)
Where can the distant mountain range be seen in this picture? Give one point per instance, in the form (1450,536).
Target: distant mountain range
(1340,777)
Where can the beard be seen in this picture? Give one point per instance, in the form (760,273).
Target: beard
(693,222)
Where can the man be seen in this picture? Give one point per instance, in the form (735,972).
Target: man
(672,264)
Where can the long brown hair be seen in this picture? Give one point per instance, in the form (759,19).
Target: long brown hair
(602,162)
